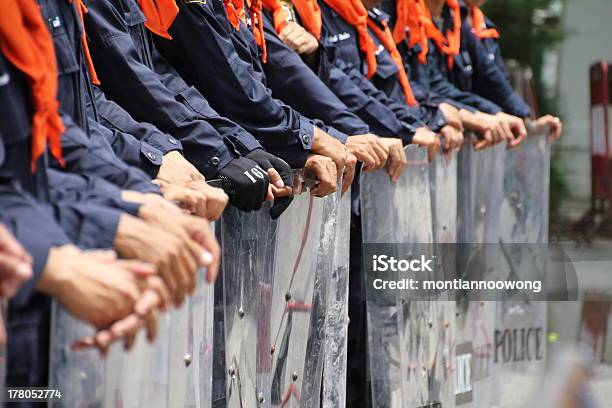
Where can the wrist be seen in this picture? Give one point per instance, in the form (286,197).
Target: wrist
(129,231)
(56,273)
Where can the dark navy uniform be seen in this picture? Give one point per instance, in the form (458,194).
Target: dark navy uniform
(134,75)
(40,218)
(239,89)
(342,41)
(435,77)
(296,84)
(490,78)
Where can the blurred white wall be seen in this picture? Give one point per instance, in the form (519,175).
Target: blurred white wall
(588,38)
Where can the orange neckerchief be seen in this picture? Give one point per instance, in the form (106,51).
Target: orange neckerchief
(26,42)
(408,18)
(450,43)
(235,12)
(354,13)
(310,14)
(279,14)
(160,15)
(479,25)
(81,9)
(386,38)
(256,11)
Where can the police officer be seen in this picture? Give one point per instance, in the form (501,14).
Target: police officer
(80,281)
(234,58)
(494,84)
(215,145)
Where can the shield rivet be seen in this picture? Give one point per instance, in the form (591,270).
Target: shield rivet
(287,296)
(294,376)
(187,359)
(241,313)
(261,398)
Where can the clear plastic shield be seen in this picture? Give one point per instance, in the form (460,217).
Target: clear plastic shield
(521,326)
(303,266)
(479,202)
(248,264)
(443,186)
(479,193)
(336,323)
(398,327)
(80,373)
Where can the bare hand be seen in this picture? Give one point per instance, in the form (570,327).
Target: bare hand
(428,139)
(396,162)
(349,172)
(368,149)
(298,39)
(552,123)
(175,169)
(197,197)
(325,145)
(453,138)
(452,116)
(324,170)
(15,264)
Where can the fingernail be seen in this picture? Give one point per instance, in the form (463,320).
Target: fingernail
(279,184)
(206,258)
(24,271)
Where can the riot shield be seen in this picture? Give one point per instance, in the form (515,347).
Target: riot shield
(303,266)
(521,325)
(79,376)
(479,198)
(336,323)
(398,326)
(248,263)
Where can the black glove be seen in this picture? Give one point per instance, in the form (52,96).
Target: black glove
(269,161)
(245,183)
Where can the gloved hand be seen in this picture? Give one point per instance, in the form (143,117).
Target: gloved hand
(281,177)
(247,184)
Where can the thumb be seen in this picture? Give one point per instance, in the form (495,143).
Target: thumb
(275,178)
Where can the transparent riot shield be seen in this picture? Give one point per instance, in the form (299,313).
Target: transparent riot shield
(398,326)
(303,266)
(248,241)
(479,200)
(79,376)
(521,325)
(336,323)
(443,186)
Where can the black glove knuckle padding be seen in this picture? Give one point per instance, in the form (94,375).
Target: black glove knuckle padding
(249,183)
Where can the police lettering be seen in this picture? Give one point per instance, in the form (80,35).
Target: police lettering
(515,345)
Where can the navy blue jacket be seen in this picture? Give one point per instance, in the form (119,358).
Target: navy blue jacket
(341,40)
(41,215)
(435,77)
(490,78)
(296,84)
(134,75)
(239,89)
(89,155)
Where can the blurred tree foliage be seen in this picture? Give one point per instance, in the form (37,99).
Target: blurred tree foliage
(530,28)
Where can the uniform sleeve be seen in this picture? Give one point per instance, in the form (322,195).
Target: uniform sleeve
(489,81)
(33,225)
(134,85)
(366,101)
(442,86)
(93,155)
(114,117)
(237,91)
(292,81)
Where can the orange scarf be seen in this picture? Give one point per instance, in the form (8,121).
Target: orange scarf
(235,12)
(160,15)
(450,43)
(479,25)
(354,13)
(279,14)
(26,42)
(310,14)
(408,18)
(386,38)
(81,9)
(256,11)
